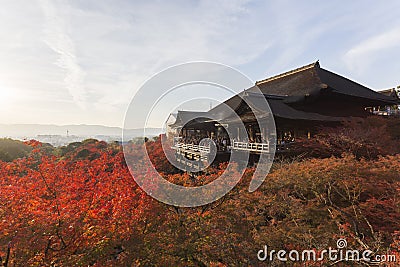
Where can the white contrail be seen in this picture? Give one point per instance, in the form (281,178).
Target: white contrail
(59,41)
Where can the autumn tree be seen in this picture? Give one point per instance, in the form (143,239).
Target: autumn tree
(364,138)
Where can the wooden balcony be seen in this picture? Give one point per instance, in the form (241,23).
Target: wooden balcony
(193,152)
(252,147)
(192,148)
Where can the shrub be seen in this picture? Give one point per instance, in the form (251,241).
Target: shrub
(364,138)
(13,149)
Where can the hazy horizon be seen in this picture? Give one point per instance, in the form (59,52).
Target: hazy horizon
(62,125)
(63,134)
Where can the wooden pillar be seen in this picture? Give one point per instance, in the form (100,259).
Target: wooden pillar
(264,132)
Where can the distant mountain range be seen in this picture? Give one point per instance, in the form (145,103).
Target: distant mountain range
(32,130)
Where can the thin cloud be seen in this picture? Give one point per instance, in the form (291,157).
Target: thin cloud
(123,46)
(60,42)
(359,57)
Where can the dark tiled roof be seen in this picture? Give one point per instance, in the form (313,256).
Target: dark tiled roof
(184,117)
(389,92)
(225,109)
(282,110)
(298,82)
(312,79)
(257,103)
(342,85)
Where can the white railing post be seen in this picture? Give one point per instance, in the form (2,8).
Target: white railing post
(254,147)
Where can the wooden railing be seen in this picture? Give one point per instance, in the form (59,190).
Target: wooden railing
(192,152)
(193,148)
(395,113)
(253,147)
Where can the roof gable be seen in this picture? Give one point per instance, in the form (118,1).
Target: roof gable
(298,82)
(312,79)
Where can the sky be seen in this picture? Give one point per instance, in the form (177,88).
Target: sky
(81,62)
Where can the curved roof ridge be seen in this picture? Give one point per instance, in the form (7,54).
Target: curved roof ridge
(306,67)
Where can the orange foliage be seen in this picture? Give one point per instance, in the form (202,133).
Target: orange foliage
(88,211)
(58,211)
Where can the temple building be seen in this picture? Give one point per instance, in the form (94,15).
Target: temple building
(392,110)
(301,101)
